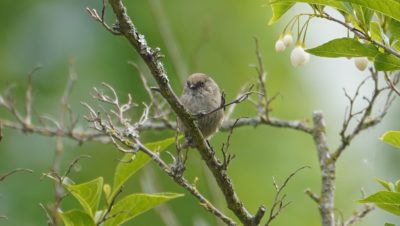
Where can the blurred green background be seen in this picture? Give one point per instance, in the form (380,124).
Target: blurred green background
(215,37)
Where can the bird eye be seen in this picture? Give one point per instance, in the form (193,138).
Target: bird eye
(201,84)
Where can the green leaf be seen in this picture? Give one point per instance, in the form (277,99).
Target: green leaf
(76,218)
(386,62)
(128,167)
(135,204)
(389,224)
(397,186)
(396,45)
(392,138)
(278,10)
(347,11)
(88,194)
(387,200)
(344,47)
(385,184)
(394,29)
(364,16)
(376,32)
(390,8)
(335,4)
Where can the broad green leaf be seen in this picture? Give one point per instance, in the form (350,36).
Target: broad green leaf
(390,8)
(368,14)
(88,194)
(394,29)
(128,167)
(385,184)
(347,11)
(387,200)
(76,218)
(135,204)
(376,32)
(392,138)
(278,10)
(335,4)
(386,62)
(344,47)
(364,16)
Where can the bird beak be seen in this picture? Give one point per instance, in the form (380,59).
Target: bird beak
(191,86)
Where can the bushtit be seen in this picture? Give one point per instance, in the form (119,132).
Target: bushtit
(200,96)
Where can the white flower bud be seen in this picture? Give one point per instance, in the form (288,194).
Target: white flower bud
(299,57)
(280,46)
(288,39)
(361,63)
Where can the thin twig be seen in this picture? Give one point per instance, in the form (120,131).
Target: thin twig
(272,121)
(279,204)
(4,217)
(73,163)
(391,83)
(357,216)
(367,119)
(227,157)
(240,99)
(109,207)
(59,192)
(312,195)
(3,177)
(28,97)
(160,111)
(79,135)
(50,220)
(231,109)
(93,13)
(263,99)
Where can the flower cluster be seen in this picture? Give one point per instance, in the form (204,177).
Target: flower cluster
(298,56)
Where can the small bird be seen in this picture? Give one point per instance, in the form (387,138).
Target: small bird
(201,95)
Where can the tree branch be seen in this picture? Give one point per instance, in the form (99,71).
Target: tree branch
(359,214)
(326,204)
(129,138)
(367,119)
(360,34)
(185,184)
(152,59)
